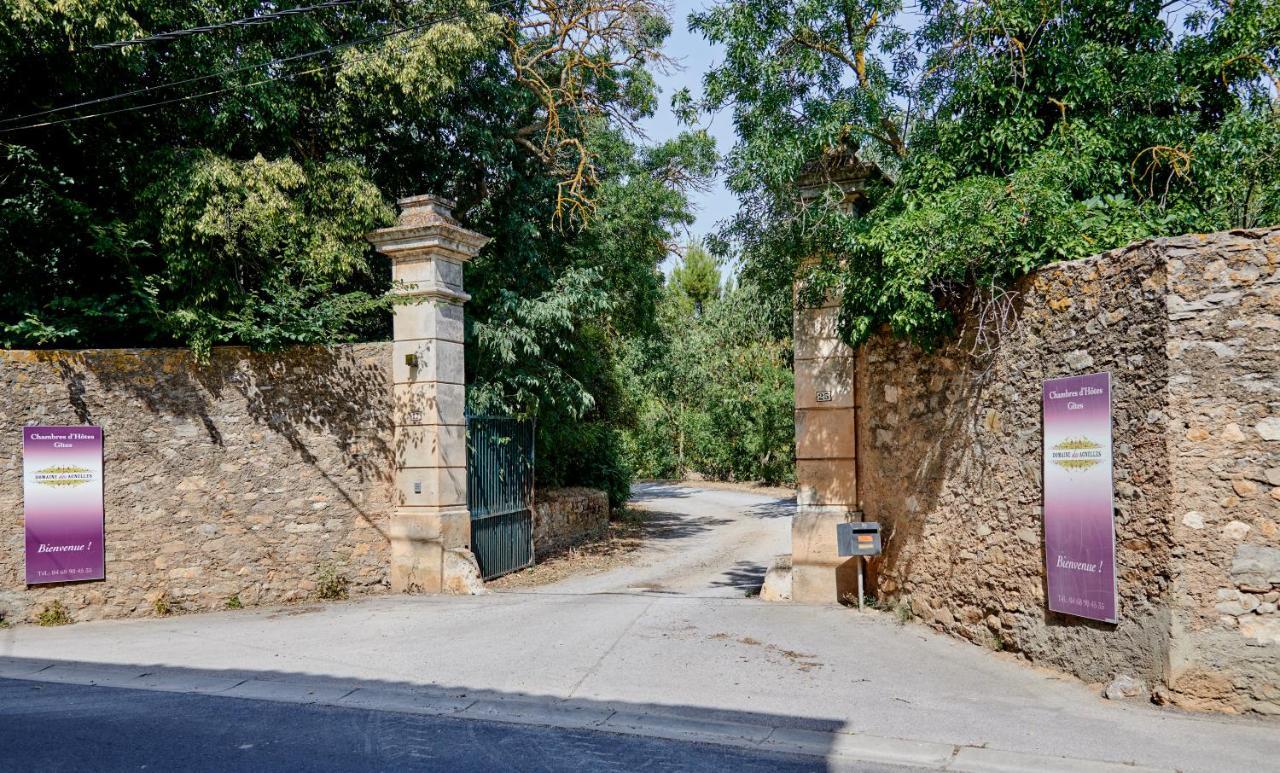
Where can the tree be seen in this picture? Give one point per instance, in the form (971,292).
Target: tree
(554,354)
(235,211)
(695,280)
(713,391)
(194,222)
(1013,132)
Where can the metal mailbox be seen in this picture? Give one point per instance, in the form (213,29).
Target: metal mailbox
(858,538)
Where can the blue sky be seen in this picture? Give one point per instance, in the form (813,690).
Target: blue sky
(693,56)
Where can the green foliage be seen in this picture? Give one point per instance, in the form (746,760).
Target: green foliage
(586,453)
(1014,133)
(548,325)
(695,280)
(237,214)
(163,606)
(260,251)
(714,393)
(233,602)
(331,584)
(54,613)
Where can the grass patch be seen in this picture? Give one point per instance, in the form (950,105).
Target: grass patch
(869,602)
(331,585)
(162,606)
(53,614)
(233,602)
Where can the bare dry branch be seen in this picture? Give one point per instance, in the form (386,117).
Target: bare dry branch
(1177,160)
(564,52)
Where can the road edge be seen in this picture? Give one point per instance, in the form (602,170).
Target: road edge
(838,748)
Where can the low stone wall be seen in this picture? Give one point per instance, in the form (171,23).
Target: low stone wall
(564,516)
(237,481)
(949,461)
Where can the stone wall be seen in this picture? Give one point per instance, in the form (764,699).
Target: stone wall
(1224,436)
(564,516)
(245,478)
(949,461)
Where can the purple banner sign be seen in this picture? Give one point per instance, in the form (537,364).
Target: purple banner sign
(62,503)
(1079,523)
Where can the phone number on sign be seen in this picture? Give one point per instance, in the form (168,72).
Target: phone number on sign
(64,572)
(1078,602)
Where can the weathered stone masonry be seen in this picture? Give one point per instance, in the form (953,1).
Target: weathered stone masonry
(564,516)
(241,478)
(951,468)
(949,461)
(1223,296)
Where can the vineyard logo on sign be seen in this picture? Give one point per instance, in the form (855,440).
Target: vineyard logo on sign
(1076,454)
(63,476)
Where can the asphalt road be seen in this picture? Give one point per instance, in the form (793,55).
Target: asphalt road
(671,646)
(61,727)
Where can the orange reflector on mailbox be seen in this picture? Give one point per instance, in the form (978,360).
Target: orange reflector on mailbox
(858,538)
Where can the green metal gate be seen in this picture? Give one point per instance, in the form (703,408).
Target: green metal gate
(500,492)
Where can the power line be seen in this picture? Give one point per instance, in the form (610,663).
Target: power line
(222,73)
(227,90)
(219,74)
(161,103)
(189,97)
(248,21)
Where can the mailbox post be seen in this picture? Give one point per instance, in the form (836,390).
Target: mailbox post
(859,539)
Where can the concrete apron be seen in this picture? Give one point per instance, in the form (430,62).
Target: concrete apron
(838,748)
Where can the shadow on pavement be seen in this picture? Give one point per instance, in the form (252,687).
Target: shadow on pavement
(664,525)
(130,730)
(761,735)
(747,575)
(644,492)
(778,508)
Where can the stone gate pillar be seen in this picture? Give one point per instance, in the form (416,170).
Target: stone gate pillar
(430,527)
(826,458)
(827,408)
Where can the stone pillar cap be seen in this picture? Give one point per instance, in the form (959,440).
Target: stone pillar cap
(431,198)
(426,227)
(427,209)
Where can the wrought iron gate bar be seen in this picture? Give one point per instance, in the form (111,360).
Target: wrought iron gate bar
(500,467)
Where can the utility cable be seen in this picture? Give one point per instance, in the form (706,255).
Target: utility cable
(219,74)
(230,71)
(190,97)
(248,21)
